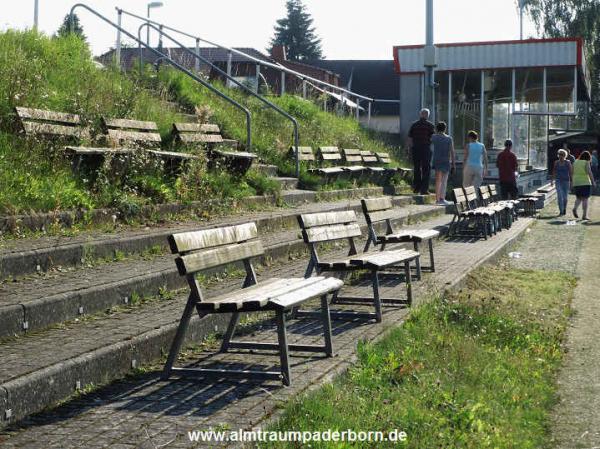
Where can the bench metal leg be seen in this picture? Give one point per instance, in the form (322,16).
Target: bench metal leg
(431,259)
(283,347)
(326,326)
(417,260)
(376,298)
(179,337)
(408,282)
(233,322)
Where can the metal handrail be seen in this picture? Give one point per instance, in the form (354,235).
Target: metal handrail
(252,58)
(178,66)
(230,78)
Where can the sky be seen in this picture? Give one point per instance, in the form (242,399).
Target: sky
(349,29)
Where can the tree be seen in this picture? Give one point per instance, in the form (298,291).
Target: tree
(573,18)
(70,24)
(296,33)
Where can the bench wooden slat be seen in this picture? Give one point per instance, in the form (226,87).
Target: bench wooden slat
(118,137)
(50,129)
(206,128)
(329,150)
(332,232)
(173,155)
(384,158)
(384,258)
(123,123)
(331,157)
(90,151)
(48,116)
(236,154)
(200,138)
(329,170)
(321,287)
(196,240)
(375,204)
(304,153)
(327,218)
(219,256)
(382,215)
(257,295)
(410,235)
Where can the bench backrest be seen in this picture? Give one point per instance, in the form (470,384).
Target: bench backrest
(493,191)
(460,200)
(471,195)
(377,209)
(352,156)
(329,154)
(329,226)
(124,132)
(209,248)
(383,158)
(368,157)
(484,194)
(197,133)
(40,122)
(305,154)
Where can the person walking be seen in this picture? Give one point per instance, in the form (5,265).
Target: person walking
(419,140)
(562,176)
(443,162)
(583,180)
(508,167)
(475,162)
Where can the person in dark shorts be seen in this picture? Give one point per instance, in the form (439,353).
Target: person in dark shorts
(562,174)
(420,143)
(583,180)
(507,171)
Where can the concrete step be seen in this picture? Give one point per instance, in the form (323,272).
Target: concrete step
(50,366)
(286,183)
(31,255)
(37,301)
(265,169)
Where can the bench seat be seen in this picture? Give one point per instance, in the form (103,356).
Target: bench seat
(98,151)
(409,235)
(383,259)
(275,292)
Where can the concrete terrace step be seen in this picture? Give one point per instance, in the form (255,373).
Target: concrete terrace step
(39,300)
(286,183)
(24,256)
(265,169)
(46,367)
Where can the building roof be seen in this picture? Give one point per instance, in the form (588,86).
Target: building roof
(557,52)
(371,78)
(129,56)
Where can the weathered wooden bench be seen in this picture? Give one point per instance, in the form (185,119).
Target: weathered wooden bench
(353,163)
(220,151)
(468,220)
(305,154)
(475,203)
(506,209)
(318,228)
(52,124)
(329,155)
(125,134)
(380,210)
(206,249)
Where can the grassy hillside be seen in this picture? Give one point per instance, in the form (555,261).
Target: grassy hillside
(59,74)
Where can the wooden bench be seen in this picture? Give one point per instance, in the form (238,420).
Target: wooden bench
(468,220)
(219,150)
(506,209)
(52,124)
(475,204)
(353,163)
(206,249)
(329,156)
(380,210)
(305,154)
(318,228)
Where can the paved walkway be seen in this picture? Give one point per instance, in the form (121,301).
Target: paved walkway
(576,249)
(144,412)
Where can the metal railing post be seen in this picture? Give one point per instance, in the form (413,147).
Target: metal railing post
(369,113)
(257,77)
(118,43)
(357,109)
(160,41)
(304,89)
(197,62)
(282,82)
(229,60)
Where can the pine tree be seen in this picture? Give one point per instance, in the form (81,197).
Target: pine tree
(296,33)
(66,29)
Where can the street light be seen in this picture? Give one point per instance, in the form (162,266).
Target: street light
(36,8)
(150,6)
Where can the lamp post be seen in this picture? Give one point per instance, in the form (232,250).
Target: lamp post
(36,9)
(430,57)
(150,6)
(521,7)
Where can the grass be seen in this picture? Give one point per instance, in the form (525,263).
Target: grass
(473,369)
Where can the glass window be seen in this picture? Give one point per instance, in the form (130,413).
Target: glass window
(498,100)
(466,94)
(529,94)
(441,97)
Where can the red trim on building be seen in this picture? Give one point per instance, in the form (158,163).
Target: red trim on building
(487,68)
